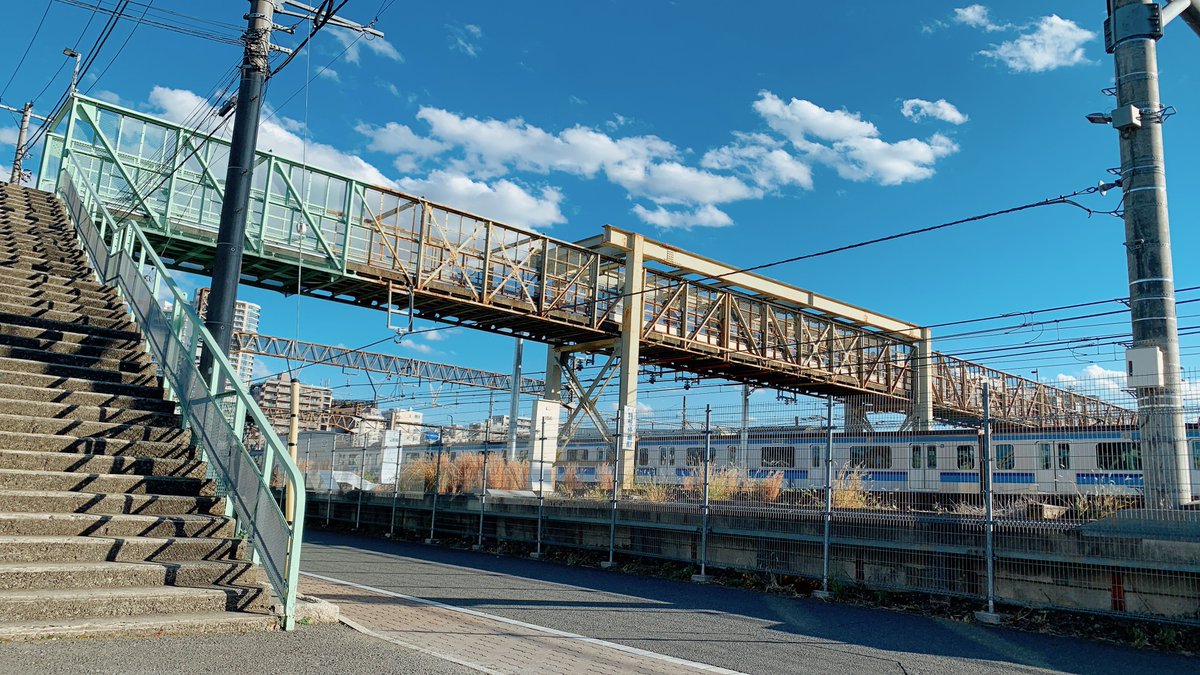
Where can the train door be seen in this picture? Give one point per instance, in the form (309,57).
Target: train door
(923,467)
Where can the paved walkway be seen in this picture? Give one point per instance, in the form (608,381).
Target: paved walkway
(484,642)
(511,615)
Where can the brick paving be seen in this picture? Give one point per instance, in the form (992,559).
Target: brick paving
(485,642)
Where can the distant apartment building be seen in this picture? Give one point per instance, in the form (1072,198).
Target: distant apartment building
(245,320)
(410,424)
(275,397)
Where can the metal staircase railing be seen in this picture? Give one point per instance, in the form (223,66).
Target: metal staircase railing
(216,410)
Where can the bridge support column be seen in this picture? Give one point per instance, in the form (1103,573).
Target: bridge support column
(552,390)
(632,319)
(922,370)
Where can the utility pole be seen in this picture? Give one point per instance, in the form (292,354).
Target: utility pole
(19,157)
(1131,34)
(227,265)
(514,408)
(235,204)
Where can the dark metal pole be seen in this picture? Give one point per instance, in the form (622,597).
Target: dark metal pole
(227,264)
(437,484)
(612,523)
(827,512)
(483,499)
(703,576)
(541,498)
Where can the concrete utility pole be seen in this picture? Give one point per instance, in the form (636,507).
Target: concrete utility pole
(227,265)
(1131,34)
(514,407)
(19,157)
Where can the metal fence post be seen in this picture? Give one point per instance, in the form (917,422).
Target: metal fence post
(989,524)
(827,512)
(437,486)
(482,499)
(395,488)
(541,498)
(703,576)
(362,470)
(616,476)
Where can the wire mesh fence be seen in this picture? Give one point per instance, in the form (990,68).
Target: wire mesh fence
(848,491)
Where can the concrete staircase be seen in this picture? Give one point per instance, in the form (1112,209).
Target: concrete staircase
(107,523)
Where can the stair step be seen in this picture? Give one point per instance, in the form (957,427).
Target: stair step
(160,625)
(12,440)
(82,284)
(55,501)
(67,603)
(86,413)
(138,363)
(187,574)
(26,424)
(64,396)
(120,549)
(64,386)
(108,484)
(69,323)
(28,460)
(72,338)
(112,311)
(114,525)
(23,294)
(117,324)
(11,369)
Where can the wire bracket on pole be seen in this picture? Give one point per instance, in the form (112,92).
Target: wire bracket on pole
(1132,22)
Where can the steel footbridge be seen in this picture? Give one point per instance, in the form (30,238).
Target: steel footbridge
(335,237)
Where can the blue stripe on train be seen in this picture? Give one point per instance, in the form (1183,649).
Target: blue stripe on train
(581,471)
(788,474)
(960,477)
(646,471)
(886,476)
(1126,479)
(1014,477)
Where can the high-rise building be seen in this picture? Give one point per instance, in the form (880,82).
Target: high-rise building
(245,320)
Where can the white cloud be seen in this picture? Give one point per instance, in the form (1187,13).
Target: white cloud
(110,96)
(8,135)
(354,45)
(762,160)
(396,138)
(917,109)
(704,216)
(277,134)
(502,200)
(1054,43)
(977,16)
(465,39)
(329,74)
(854,148)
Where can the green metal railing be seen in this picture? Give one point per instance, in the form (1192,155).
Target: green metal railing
(216,409)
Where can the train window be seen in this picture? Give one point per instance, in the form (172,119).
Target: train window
(1044,456)
(671,455)
(643,457)
(1125,456)
(931,457)
(779,456)
(916,456)
(966,457)
(1064,455)
(662,456)
(733,454)
(871,456)
(695,456)
(1006,458)
(816,455)
(569,455)
(1196,455)
(583,455)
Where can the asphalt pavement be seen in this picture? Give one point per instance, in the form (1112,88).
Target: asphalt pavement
(730,628)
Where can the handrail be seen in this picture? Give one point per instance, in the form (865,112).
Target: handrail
(216,408)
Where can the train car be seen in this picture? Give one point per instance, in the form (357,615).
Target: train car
(1100,461)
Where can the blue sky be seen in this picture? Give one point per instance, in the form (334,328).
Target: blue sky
(745,132)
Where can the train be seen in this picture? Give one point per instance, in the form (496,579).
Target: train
(1062,462)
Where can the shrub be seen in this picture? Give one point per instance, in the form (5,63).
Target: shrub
(768,489)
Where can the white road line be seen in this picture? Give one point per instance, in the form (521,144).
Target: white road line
(543,629)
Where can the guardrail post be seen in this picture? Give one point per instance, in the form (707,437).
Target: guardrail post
(541,498)
(703,577)
(827,512)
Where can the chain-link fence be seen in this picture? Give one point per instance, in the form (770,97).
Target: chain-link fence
(1010,508)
